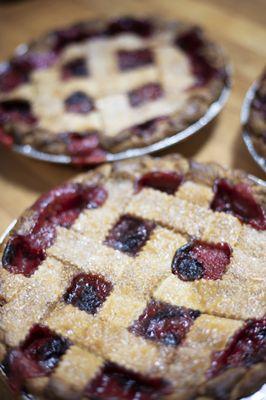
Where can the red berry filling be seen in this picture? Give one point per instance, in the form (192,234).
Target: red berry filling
(147,128)
(19,68)
(164,323)
(59,207)
(84,148)
(88,292)
(245,348)
(129,234)
(238,200)
(12,76)
(75,68)
(74,34)
(22,256)
(115,382)
(145,94)
(16,110)
(131,59)
(37,356)
(5,138)
(139,27)
(193,44)
(199,260)
(167,182)
(79,102)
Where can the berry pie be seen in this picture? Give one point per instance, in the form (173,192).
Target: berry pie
(140,280)
(108,86)
(256,124)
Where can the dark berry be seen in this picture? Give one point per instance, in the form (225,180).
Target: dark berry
(129,234)
(131,59)
(21,256)
(12,77)
(187,268)
(145,94)
(16,110)
(79,102)
(148,128)
(140,27)
(74,34)
(81,144)
(75,68)
(88,292)
(59,207)
(245,348)
(164,323)
(238,200)
(199,259)
(167,182)
(115,382)
(36,357)
(194,45)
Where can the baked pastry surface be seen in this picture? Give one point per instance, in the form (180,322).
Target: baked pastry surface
(108,86)
(142,280)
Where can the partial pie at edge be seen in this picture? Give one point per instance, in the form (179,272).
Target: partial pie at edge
(143,280)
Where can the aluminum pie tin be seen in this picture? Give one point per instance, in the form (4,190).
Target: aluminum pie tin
(245,113)
(213,110)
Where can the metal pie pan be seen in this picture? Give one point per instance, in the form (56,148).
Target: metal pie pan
(245,112)
(213,110)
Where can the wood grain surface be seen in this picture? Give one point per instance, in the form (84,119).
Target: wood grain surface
(238,25)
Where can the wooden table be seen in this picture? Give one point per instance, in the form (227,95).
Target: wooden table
(237,25)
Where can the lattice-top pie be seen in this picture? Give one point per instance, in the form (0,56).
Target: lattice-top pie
(256,123)
(141,280)
(108,86)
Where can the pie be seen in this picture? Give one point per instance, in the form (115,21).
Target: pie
(256,124)
(140,280)
(108,86)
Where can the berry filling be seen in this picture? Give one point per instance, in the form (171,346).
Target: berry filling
(5,138)
(238,200)
(13,76)
(88,292)
(129,234)
(59,207)
(167,182)
(75,68)
(84,148)
(79,102)
(164,323)
(115,382)
(259,101)
(17,71)
(147,128)
(130,59)
(139,27)
(199,260)
(36,357)
(193,44)
(245,348)
(75,34)
(16,110)
(144,94)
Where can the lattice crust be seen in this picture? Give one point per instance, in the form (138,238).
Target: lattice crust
(130,241)
(256,124)
(141,68)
